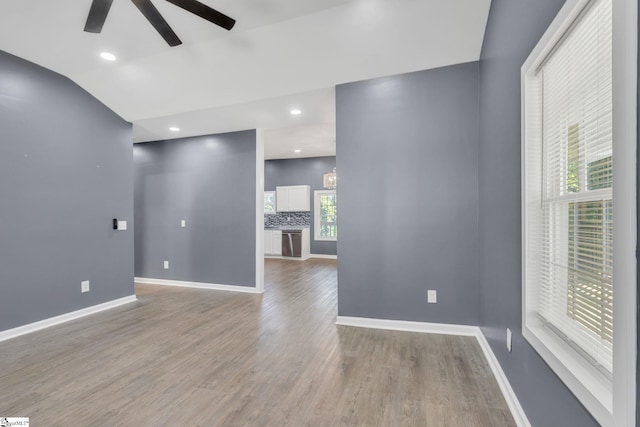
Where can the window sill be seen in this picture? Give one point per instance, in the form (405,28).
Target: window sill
(589,385)
(325,239)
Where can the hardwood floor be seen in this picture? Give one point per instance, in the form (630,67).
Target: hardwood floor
(212,358)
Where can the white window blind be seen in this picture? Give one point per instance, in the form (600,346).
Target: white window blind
(571,229)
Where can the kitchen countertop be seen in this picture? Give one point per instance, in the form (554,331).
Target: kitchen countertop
(285,228)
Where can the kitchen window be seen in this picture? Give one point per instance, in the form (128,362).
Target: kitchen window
(571,167)
(325,213)
(269,202)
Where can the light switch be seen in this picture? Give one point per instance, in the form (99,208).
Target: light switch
(122,225)
(183,223)
(166,265)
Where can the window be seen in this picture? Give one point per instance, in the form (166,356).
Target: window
(325,213)
(569,164)
(269,202)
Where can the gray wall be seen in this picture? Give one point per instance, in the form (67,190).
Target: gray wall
(65,173)
(209,181)
(306,171)
(407,159)
(513,29)
(638,237)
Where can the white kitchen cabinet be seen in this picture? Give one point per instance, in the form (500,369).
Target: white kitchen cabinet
(299,198)
(282,199)
(306,244)
(272,242)
(293,198)
(268,242)
(276,242)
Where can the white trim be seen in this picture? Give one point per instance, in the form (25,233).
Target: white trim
(290,258)
(198,285)
(518,413)
(554,33)
(259,210)
(625,79)
(407,326)
(583,380)
(52,321)
(510,397)
(323,256)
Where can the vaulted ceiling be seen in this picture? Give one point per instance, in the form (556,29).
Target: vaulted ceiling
(281,54)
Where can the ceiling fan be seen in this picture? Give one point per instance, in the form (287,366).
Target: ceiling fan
(100,9)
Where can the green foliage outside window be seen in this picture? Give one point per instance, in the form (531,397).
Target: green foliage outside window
(573,160)
(328,216)
(600,174)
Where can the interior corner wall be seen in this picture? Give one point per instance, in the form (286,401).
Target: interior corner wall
(65,172)
(306,171)
(408,197)
(513,29)
(210,182)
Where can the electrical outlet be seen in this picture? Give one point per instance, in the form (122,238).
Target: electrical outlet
(432,296)
(183,223)
(166,265)
(85,286)
(509,340)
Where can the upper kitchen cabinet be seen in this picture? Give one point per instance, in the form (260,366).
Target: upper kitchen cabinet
(293,198)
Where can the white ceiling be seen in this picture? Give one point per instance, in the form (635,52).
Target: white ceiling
(281,54)
(315,140)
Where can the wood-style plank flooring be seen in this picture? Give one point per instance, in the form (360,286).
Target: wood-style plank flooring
(190,357)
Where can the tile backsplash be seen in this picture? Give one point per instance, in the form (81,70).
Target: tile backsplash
(288,219)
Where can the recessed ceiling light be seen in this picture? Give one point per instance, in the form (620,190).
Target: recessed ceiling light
(296,112)
(174,129)
(108,56)
(297,150)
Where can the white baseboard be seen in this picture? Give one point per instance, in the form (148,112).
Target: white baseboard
(320,256)
(446,329)
(198,285)
(52,321)
(323,256)
(403,325)
(288,258)
(509,395)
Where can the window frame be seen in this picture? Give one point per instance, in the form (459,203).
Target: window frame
(612,401)
(275,203)
(316,216)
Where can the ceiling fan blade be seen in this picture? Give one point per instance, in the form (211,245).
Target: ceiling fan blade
(153,16)
(97,15)
(205,12)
